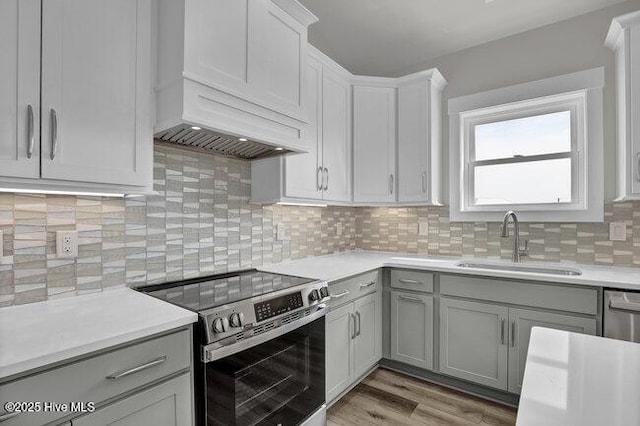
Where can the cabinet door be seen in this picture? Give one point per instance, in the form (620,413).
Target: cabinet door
(374,144)
(413,142)
(96,91)
(634,89)
(473,342)
(218,41)
(303,179)
(20,88)
(412,329)
(521,322)
(336,136)
(278,65)
(167,404)
(339,350)
(368,341)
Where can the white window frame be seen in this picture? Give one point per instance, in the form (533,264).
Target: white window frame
(581,94)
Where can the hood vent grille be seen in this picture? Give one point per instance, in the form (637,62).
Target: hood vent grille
(219,143)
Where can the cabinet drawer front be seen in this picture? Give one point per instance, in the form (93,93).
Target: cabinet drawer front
(561,298)
(412,280)
(101,377)
(167,404)
(353,288)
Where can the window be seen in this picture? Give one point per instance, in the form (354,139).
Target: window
(530,154)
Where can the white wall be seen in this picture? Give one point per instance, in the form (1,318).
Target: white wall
(564,47)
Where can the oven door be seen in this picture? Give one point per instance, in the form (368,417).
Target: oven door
(280,382)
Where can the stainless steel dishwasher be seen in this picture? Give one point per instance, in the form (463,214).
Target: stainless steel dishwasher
(622,315)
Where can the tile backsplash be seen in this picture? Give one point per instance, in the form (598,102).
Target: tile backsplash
(398,229)
(201,222)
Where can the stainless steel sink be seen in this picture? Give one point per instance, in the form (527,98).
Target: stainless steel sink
(521,268)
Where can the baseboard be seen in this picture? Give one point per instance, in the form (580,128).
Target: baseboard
(449,382)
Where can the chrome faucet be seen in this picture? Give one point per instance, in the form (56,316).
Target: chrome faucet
(517,251)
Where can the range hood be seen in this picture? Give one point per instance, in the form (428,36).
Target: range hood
(218,143)
(231,76)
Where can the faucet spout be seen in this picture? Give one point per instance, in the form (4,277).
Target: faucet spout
(516,234)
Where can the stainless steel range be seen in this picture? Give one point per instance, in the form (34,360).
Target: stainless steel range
(260,341)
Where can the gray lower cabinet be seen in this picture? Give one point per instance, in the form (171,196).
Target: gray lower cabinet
(353,335)
(166,404)
(473,341)
(487,344)
(521,321)
(367,343)
(340,330)
(412,329)
(123,374)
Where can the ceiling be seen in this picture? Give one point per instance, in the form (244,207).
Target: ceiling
(388,37)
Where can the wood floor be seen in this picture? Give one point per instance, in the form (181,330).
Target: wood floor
(389,398)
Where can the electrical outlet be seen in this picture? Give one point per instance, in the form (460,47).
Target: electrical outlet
(67,244)
(617,231)
(423,228)
(4,260)
(281,232)
(339,228)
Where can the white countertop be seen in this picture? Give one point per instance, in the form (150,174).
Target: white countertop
(342,265)
(573,379)
(43,333)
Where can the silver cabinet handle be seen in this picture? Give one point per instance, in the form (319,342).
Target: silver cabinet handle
(31,141)
(326,182)
(408,281)
(620,304)
(513,334)
(638,166)
(359,319)
(339,295)
(54,133)
(365,285)
(424,181)
(410,299)
(502,331)
(353,319)
(391,183)
(319,178)
(153,363)
(8,416)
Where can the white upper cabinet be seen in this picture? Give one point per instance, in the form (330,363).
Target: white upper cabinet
(20,88)
(96,91)
(234,66)
(374,141)
(323,174)
(282,60)
(303,172)
(419,137)
(397,150)
(78,108)
(336,134)
(624,39)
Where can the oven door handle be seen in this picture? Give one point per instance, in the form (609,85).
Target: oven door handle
(215,351)
(621,304)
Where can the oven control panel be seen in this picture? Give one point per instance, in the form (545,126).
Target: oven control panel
(225,321)
(278,306)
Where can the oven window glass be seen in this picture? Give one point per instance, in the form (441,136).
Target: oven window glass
(278,382)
